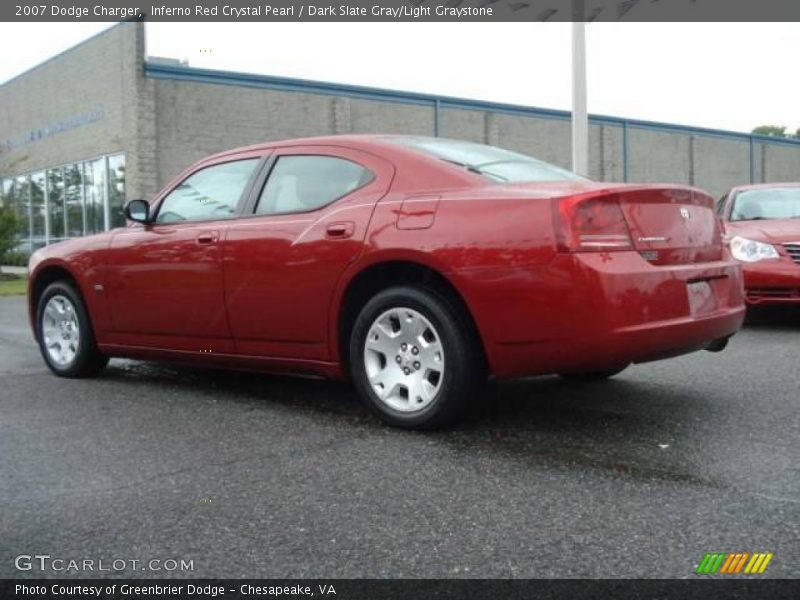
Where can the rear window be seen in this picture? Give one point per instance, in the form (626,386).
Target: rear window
(492,162)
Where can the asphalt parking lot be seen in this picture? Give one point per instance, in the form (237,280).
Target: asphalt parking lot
(260,476)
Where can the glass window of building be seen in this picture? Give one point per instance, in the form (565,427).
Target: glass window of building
(5,192)
(73,199)
(66,201)
(38,216)
(55,203)
(116,190)
(94,185)
(22,203)
(9,196)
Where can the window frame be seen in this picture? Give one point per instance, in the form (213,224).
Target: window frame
(241,202)
(261,184)
(722,205)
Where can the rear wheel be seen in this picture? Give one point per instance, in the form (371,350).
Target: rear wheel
(64,333)
(414,358)
(593,375)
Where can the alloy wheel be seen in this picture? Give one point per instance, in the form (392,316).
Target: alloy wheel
(404,359)
(60,330)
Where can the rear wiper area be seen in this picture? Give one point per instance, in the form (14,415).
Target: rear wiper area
(475,169)
(470,168)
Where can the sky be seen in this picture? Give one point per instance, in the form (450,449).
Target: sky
(722,75)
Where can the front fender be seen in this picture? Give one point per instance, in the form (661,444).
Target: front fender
(84,261)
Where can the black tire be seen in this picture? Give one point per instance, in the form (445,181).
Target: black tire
(593,376)
(88,360)
(463,371)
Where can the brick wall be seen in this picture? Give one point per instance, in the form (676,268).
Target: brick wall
(93,77)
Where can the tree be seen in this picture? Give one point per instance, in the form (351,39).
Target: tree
(771,130)
(9,225)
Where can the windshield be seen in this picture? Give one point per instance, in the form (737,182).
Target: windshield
(495,163)
(772,203)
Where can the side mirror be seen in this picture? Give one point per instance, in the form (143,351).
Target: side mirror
(138,211)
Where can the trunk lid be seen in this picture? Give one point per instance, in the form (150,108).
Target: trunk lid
(668,224)
(672,225)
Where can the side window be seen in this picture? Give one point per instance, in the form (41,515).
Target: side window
(305,183)
(209,194)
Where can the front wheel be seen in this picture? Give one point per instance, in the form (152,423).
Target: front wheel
(414,357)
(64,333)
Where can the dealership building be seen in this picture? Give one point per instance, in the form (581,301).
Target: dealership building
(102,122)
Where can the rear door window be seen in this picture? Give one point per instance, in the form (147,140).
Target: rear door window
(305,183)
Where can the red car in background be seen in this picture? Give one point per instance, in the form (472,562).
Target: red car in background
(762,223)
(415,266)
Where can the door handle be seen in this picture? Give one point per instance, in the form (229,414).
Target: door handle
(207,238)
(341,230)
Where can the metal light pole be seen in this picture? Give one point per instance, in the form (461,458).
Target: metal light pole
(580,116)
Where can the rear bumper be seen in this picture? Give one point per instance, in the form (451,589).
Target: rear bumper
(772,282)
(596,311)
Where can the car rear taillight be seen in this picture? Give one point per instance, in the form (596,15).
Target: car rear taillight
(591,225)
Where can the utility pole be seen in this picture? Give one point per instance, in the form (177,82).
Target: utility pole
(580,115)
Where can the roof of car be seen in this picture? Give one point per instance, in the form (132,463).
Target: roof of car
(376,140)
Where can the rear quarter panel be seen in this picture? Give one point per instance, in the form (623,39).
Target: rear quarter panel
(492,249)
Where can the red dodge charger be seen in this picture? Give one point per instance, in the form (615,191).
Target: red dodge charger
(415,266)
(763,227)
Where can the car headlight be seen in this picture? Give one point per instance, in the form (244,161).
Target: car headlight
(752,251)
